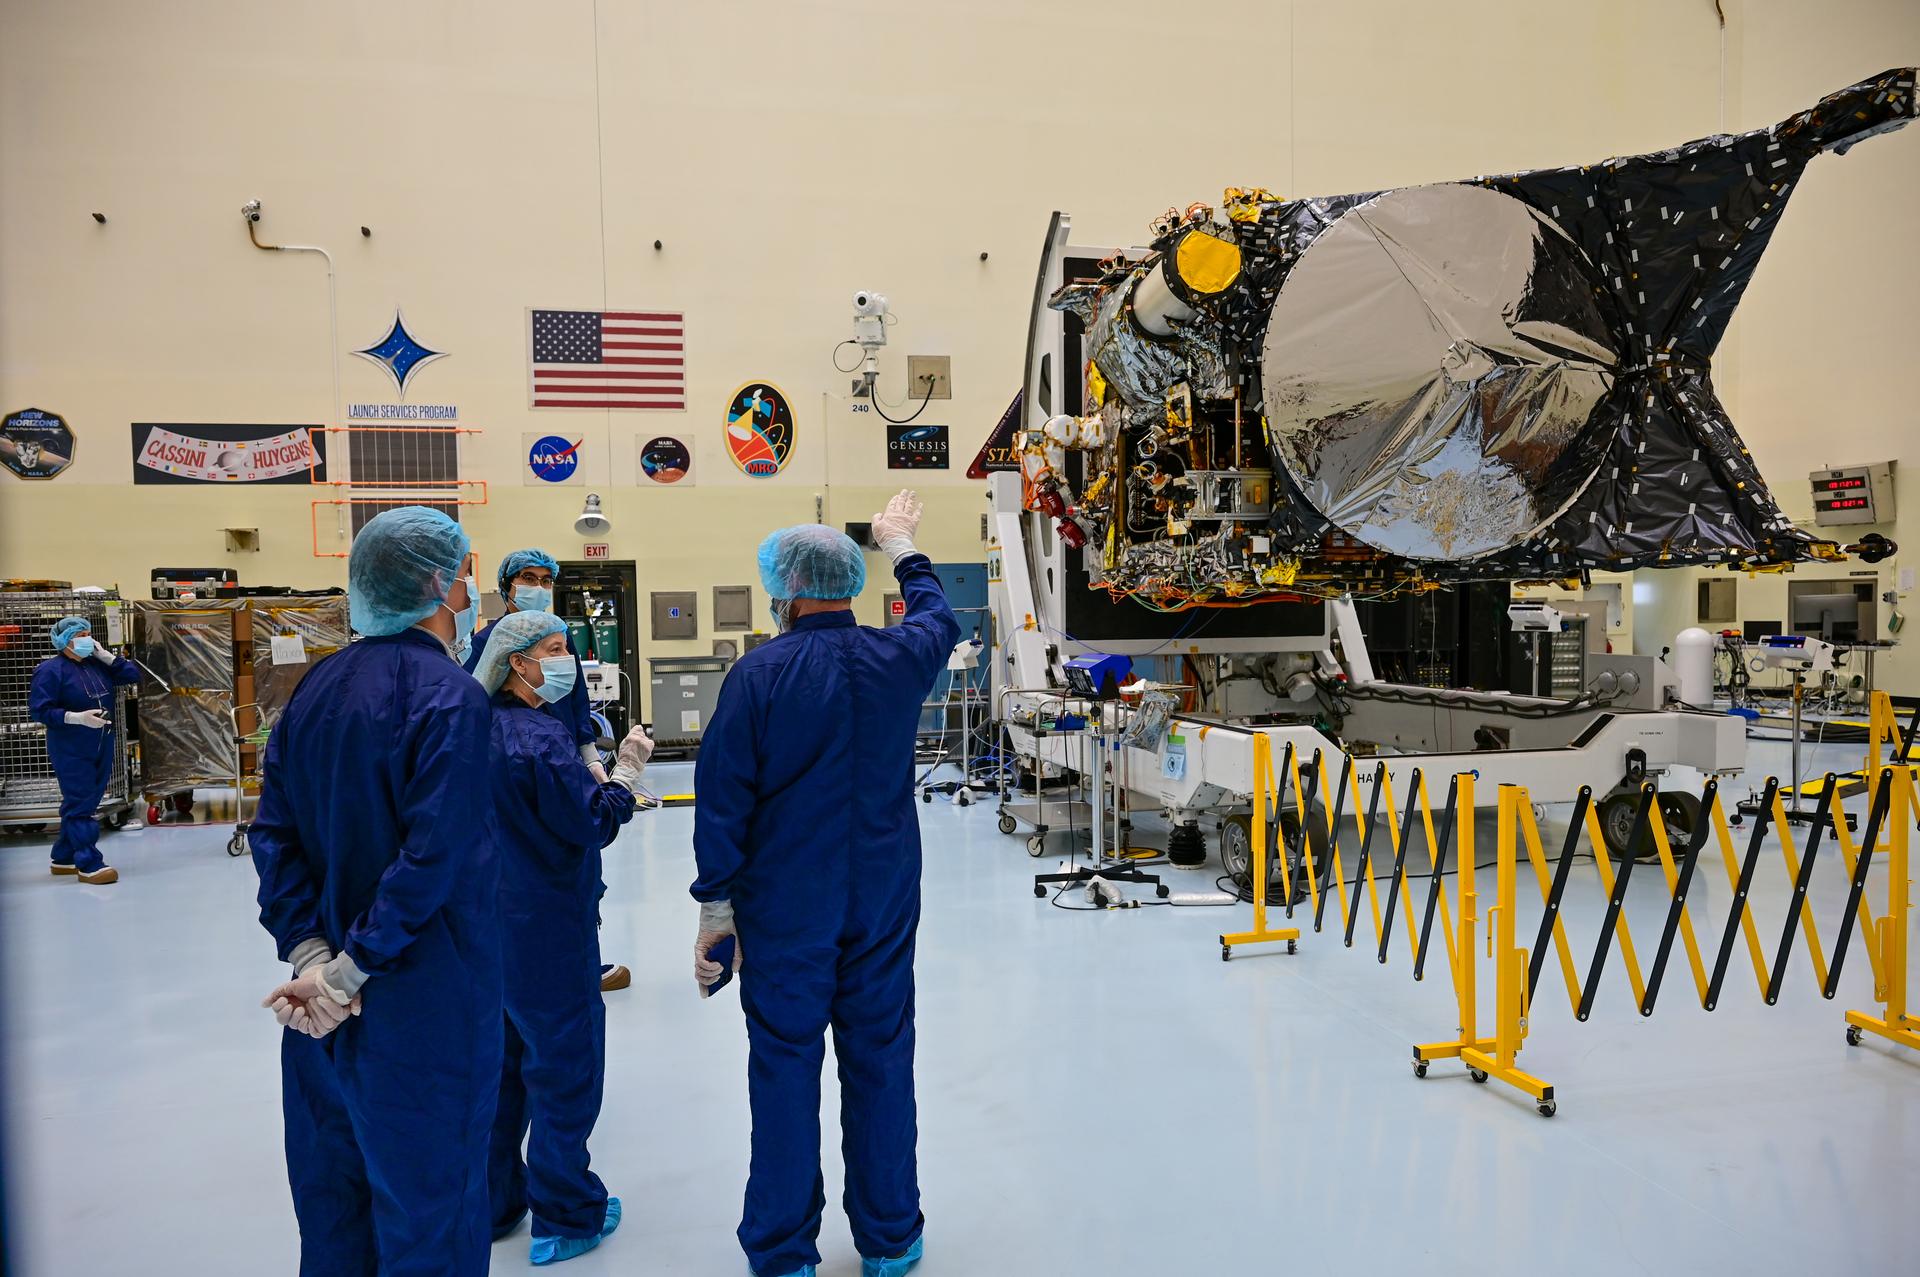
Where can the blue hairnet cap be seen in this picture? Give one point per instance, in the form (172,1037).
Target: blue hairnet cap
(811,561)
(403,564)
(68,626)
(514,563)
(514,632)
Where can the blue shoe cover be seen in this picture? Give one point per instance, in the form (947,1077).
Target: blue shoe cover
(552,1250)
(896,1267)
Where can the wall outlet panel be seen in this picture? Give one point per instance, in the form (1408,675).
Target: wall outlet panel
(920,367)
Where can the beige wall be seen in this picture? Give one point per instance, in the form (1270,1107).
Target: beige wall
(509,155)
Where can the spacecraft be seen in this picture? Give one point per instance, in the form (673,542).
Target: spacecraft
(1505,378)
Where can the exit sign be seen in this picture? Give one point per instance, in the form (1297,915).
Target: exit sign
(596,550)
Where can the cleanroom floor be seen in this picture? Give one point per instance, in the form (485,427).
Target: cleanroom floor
(1098,1092)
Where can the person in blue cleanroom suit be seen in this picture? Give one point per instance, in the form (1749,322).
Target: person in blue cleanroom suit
(375,848)
(526,585)
(72,695)
(808,848)
(552,818)
(526,580)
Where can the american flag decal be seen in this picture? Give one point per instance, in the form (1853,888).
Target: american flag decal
(609,359)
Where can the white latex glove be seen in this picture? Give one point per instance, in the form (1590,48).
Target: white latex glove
(636,747)
(94,718)
(306,1005)
(893,527)
(103,654)
(716,924)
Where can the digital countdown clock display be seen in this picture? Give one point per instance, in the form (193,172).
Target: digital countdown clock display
(1853,494)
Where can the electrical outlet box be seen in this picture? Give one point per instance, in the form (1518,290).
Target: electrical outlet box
(732,607)
(675,614)
(920,367)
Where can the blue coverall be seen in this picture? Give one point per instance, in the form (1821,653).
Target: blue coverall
(552,820)
(375,832)
(806,822)
(83,758)
(508,1189)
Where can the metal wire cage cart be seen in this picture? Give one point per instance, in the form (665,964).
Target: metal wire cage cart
(229,667)
(29,791)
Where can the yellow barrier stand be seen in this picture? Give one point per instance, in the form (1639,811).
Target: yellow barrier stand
(1266,803)
(1889,940)
(1490,1057)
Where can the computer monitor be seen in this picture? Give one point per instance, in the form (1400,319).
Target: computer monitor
(1754,631)
(1834,617)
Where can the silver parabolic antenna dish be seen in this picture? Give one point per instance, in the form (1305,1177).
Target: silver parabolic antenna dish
(1431,370)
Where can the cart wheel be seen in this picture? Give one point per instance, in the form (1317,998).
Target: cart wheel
(1226,953)
(1036,845)
(1008,824)
(963,798)
(1853,1035)
(1681,813)
(237,845)
(153,813)
(120,818)
(1293,946)
(1419,1068)
(1548,1108)
(1039,892)
(1478,1075)
(1615,814)
(926,796)
(1163,891)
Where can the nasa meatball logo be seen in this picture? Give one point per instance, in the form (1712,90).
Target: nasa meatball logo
(917,447)
(760,429)
(228,454)
(553,458)
(666,460)
(36,444)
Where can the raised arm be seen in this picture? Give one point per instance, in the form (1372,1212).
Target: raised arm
(578,809)
(930,625)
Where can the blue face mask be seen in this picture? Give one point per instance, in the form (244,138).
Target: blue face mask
(782,612)
(556,678)
(82,647)
(463,622)
(533,598)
